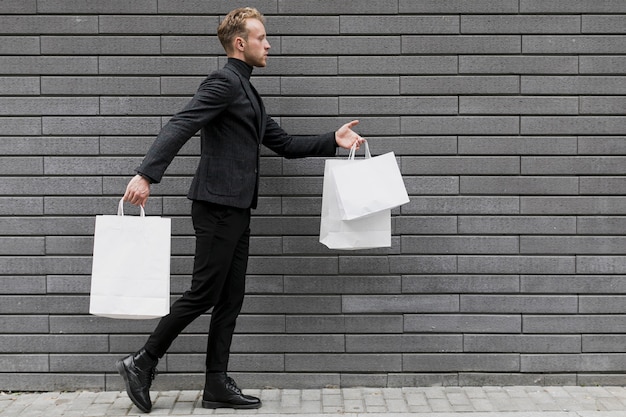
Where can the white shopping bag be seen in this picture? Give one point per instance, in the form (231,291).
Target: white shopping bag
(367,186)
(364,233)
(130,276)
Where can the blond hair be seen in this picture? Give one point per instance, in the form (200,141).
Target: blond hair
(234,25)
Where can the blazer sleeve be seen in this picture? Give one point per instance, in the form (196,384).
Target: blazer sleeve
(213,96)
(299,146)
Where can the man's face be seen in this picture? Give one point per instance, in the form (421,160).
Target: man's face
(256,47)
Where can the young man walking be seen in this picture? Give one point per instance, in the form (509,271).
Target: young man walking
(231,118)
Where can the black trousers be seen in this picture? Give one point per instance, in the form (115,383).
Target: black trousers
(218,282)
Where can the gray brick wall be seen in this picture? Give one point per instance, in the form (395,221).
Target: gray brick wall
(507,267)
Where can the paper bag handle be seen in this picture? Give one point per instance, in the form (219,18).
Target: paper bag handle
(353,151)
(120,209)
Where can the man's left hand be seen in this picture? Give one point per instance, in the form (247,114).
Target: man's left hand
(346,137)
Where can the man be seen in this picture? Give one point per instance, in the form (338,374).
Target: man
(233,124)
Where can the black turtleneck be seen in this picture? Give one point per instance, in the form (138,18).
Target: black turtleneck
(243,68)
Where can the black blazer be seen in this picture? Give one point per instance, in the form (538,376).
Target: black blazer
(233,124)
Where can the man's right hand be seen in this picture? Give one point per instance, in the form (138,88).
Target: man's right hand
(137,191)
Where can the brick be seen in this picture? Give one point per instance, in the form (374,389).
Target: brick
(431,185)
(96,7)
(191,45)
(403,343)
(572,363)
(594,44)
(600,225)
(100,125)
(24,363)
(23,284)
(100,45)
(25,126)
(459,244)
(575,6)
(601,264)
(459,165)
(54,343)
(573,85)
(48,65)
(332,7)
(516,264)
(14,165)
(24,226)
(369,126)
(303,25)
(462,205)
(603,343)
(320,86)
(353,45)
(18,6)
(449,125)
(300,106)
(459,85)
(523,304)
(602,105)
(202,7)
(516,145)
(574,284)
(602,65)
(457,362)
(519,185)
(373,323)
(518,105)
(522,24)
(265,83)
(583,125)
(315,324)
(399,303)
(287,343)
(48,105)
(493,64)
(49,185)
(603,24)
(127,86)
(364,265)
(399,24)
(31,323)
(522,343)
(21,246)
(391,65)
(342,284)
(398,105)
(92,205)
(572,165)
(20,85)
(602,185)
(458,6)
(109,65)
(157,25)
(572,205)
(292,304)
(460,284)
(601,145)
(52,145)
(40,265)
(343,362)
(19,45)
(67,284)
(602,304)
(425,225)
(576,324)
(463,44)
(527,225)
(47,381)
(237,362)
(40,25)
(462,323)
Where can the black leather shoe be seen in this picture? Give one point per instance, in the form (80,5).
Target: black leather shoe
(220,391)
(138,371)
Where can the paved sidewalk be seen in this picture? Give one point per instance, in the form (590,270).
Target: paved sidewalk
(520,401)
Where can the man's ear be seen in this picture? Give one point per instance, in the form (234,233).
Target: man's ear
(239,43)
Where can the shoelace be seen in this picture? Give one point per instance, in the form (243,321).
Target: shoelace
(230,384)
(148,376)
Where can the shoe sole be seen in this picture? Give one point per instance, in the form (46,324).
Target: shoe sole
(121,369)
(215,404)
